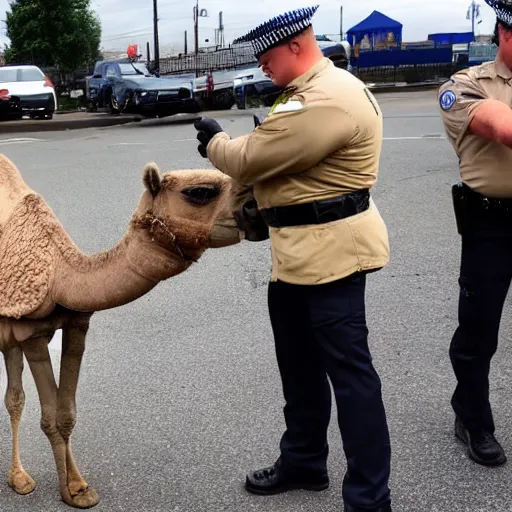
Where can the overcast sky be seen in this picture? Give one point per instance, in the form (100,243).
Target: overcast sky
(131,21)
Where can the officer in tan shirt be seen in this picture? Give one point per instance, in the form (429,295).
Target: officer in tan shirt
(475,106)
(312,163)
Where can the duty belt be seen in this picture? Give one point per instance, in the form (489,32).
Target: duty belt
(317,212)
(482,202)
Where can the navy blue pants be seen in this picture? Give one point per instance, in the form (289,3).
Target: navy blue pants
(485,276)
(320,332)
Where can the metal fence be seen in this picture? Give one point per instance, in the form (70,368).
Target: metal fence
(239,57)
(231,57)
(242,55)
(409,74)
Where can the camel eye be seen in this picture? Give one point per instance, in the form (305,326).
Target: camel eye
(201,195)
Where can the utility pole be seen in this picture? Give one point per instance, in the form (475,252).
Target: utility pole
(186,43)
(196,36)
(341,23)
(221,30)
(196,27)
(155,32)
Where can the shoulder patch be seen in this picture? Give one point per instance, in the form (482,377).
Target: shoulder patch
(447,99)
(288,106)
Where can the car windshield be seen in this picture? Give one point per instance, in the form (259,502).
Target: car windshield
(127,69)
(20,75)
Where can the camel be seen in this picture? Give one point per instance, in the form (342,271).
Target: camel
(47,283)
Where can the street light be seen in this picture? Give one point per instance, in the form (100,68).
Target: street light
(203,13)
(473,13)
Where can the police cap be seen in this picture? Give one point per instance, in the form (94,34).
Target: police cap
(503,10)
(278,30)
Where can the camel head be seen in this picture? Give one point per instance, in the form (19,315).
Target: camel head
(187,211)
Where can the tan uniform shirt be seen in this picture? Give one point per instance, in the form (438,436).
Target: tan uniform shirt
(485,166)
(324,140)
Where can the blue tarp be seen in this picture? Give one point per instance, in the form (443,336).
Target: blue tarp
(452,38)
(404,58)
(376,28)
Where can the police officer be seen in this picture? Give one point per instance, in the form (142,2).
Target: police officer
(312,163)
(475,108)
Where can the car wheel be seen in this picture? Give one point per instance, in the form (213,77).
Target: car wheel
(241,103)
(113,105)
(43,116)
(223,101)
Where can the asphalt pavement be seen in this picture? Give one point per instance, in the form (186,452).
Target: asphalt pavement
(179,393)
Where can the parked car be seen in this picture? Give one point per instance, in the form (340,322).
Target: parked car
(252,88)
(30,90)
(214,91)
(10,106)
(337,51)
(123,85)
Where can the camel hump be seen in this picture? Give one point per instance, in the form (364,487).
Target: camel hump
(12,188)
(10,176)
(27,257)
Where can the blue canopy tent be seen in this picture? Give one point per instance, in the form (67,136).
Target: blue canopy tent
(446,39)
(377,30)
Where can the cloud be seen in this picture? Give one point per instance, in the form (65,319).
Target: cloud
(128,22)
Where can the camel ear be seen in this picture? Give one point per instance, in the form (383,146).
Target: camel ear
(152,178)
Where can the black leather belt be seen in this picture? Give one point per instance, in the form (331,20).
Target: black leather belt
(481,202)
(317,212)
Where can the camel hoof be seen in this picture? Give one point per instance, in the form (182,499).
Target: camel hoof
(22,483)
(87,498)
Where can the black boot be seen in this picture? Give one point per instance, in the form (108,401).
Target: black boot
(383,508)
(483,448)
(274,480)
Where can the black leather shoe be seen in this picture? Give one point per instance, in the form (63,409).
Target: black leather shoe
(383,508)
(483,448)
(274,480)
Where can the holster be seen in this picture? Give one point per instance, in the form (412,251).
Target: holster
(461,207)
(250,221)
(256,230)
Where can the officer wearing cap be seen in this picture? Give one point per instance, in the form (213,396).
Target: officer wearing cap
(475,108)
(312,163)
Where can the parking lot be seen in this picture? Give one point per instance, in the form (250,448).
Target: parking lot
(179,393)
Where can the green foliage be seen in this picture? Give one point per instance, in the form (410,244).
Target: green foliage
(53,33)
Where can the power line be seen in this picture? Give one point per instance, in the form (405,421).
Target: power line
(128,34)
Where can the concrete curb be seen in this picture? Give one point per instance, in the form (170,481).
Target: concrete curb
(63,122)
(62,112)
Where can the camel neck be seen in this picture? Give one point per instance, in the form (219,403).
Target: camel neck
(113,278)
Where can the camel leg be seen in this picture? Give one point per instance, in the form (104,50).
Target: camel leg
(18,478)
(73,346)
(38,357)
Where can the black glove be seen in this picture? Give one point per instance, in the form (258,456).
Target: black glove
(207,128)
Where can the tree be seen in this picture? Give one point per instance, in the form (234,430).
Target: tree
(53,33)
